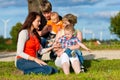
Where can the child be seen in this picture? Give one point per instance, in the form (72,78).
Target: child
(67,40)
(55,23)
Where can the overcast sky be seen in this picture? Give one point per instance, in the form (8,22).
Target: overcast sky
(93,15)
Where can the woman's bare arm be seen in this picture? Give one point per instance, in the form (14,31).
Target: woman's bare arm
(79,35)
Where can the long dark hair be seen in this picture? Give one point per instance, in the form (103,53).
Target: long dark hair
(28,23)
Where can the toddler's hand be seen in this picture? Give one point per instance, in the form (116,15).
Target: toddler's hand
(89,50)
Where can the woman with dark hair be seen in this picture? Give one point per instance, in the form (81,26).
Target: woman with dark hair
(28,45)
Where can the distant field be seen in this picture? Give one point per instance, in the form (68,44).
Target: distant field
(109,45)
(92,44)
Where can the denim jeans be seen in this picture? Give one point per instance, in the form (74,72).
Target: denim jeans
(43,42)
(28,67)
(78,52)
(80,56)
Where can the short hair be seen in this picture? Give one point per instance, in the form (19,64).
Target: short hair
(54,14)
(69,27)
(71,18)
(46,6)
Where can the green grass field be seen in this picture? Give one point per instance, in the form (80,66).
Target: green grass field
(95,70)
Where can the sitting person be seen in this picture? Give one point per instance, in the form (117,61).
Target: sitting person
(67,40)
(28,45)
(69,19)
(44,29)
(56,25)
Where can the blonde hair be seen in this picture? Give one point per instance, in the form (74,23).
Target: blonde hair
(72,19)
(69,27)
(54,14)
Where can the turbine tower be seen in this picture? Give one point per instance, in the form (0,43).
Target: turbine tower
(101,36)
(5,27)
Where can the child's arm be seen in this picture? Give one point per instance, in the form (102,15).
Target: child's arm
(84,47)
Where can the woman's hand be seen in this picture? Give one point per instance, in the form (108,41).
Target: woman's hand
(40,61)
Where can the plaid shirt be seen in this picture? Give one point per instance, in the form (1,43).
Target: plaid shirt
(66,43)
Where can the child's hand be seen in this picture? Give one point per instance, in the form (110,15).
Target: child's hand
(89,50)
(57,44)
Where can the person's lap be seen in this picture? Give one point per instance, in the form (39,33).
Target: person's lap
(30,66)
(64,58)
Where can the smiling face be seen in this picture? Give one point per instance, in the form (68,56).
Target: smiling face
(36,22)
(55,19)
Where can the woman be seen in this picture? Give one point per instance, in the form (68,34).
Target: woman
(63,61)
(28,45)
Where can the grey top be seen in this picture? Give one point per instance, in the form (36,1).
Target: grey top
(22,38)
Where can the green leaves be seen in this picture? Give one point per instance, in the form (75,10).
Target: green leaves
(14,31)
(115,25)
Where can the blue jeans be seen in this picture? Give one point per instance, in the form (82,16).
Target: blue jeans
(78,53)
(80,56)
(43,42)
(28,67)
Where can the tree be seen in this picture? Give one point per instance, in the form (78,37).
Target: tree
(115,25)
(14,31)
(34,5)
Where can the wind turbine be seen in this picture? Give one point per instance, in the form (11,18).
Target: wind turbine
(93,36)
(86,31)
(5,26)
(101,35)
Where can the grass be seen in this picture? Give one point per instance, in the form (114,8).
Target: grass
(96,70)
(7,47)
(103,46)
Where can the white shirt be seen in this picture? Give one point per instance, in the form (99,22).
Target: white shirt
(22,38)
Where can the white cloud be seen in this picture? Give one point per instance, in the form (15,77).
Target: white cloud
(4,4)
(13,11)
(106,14)
(85,0)
(78,0)
(15,3)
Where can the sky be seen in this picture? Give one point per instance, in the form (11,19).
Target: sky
(93,16)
